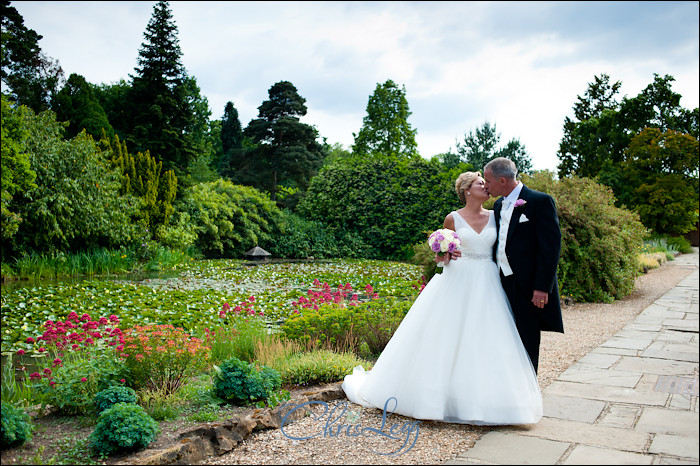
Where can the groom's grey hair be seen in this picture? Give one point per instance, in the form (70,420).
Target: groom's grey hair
(502,167)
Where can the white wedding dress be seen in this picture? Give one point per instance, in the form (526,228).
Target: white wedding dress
(457,356)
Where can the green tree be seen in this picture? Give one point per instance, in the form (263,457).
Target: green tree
(77,103)
(597,145)
(143,177)
(17,175)
(165,111)
(32,76)
(481,146)
(663,166)
(286,152)
(605,126)
(228,219)
(231,142)
(385,129)
(388,203)
(76,205)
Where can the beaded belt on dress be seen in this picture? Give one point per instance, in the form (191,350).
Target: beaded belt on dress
(479,256)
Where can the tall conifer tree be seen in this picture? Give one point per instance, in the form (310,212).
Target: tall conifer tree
(161,117)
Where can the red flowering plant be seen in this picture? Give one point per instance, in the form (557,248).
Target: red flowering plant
(162,357)
(77,358)
(239,330)
(323,294)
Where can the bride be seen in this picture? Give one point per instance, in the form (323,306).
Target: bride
(457,356)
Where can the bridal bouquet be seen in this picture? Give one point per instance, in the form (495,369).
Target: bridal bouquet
(443,241)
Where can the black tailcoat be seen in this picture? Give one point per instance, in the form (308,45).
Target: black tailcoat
(532,247)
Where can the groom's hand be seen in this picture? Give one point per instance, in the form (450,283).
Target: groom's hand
(540,298)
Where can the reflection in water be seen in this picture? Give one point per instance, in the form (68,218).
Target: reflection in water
(11,285)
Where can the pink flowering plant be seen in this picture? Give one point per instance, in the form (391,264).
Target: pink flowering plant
(329,318)
(162,357)
(238,331)
(342,296)
(76,358)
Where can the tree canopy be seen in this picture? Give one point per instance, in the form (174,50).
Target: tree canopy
(641,147)
(481,146)
(285,153)
(385,129)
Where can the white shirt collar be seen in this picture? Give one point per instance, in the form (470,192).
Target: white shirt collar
(515,193)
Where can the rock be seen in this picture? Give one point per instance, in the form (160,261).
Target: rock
(217,438)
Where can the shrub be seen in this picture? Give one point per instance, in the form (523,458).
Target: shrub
(80,360)
(379,319)
(327,321)
(162,356)
(16,426)
(113,395)
(76,204)
(228,219)
(600,242)
(386,201)
(242,327)
(680,243)
(297,237)
(123,427)
(320,366)
(239,382)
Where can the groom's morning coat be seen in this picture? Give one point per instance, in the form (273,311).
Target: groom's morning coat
(533,248)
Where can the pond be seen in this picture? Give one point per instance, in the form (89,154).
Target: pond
(191,297)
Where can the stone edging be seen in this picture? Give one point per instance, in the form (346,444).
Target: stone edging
(217,438)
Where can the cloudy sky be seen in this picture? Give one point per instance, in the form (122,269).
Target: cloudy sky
(518,65)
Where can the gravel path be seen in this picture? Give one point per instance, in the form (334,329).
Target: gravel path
(586,325)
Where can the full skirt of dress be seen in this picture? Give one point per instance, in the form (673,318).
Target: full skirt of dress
(456,357)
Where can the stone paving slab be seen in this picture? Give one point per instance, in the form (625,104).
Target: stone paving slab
(656,366)
(675,445)
(573,409)
(665,421)
(584,454)
(607,393)
(501,448)
(586,434)
(619,415)
(617,378)
(628,343)
(601,361)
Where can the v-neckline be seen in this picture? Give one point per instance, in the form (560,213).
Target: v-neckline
(471,227)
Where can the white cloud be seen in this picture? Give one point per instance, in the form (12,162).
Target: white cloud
(519,65)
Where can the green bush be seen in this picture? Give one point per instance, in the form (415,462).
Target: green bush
(113,395)
(387,202)
(76,204)
(600,242)
(300,238)
(320,366)
(162,356)
(238,335)
(378,320)
(364,328)
(228,219)
(16,426)
(329,326)
(239,382)
(679,243)
(124,427)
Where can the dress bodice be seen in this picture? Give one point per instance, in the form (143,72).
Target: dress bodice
(476,245)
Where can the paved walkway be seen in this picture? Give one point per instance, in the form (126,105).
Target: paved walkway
(632,400)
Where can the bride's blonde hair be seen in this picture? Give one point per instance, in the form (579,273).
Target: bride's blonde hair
(464,183)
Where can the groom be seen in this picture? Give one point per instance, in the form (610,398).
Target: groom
(527,253)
